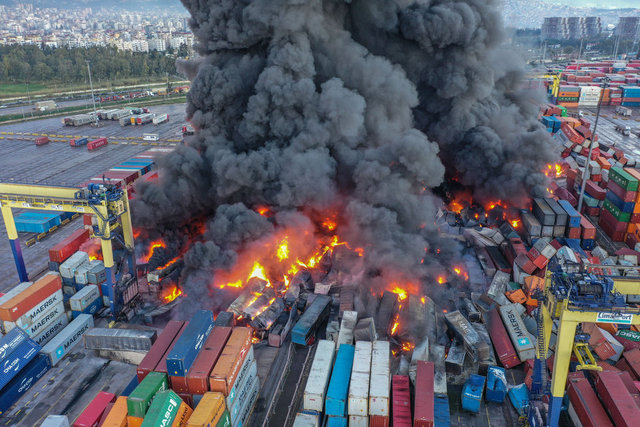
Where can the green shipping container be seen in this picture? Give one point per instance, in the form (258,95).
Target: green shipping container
(225,421)
(140,398)
(623,179)
(514,286)
(617,213)
(163,409)
(563,111)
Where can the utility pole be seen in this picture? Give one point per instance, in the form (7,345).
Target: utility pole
(605,84)
(580,51)
(93,98)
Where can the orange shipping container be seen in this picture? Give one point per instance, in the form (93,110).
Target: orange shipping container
(209,411)
(11,310)
(516,296)
(227,367)
(184,413)
(603,162)
(117,416)
(134,421)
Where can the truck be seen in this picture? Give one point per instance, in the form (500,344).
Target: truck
(623,129)
(150,136)
(160,119)
(623,111)
(44,105)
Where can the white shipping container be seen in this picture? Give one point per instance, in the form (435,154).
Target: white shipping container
(358,394)
(55,421)
(14,291)
(380,381)
(306,420)
(160,119)
(242,375)
(68,268)
(318,380)
(45,320)
(81,274)
(244,388)
(362,357)
(55,326)
(247,405)
(84,297)
(518,333)
(64,342)
(33,316)
(349,320)
(358,421)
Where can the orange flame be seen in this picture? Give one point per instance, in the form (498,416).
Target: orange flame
(441,279)
(422,300)
(456,207)
(461,272)
(396,323)
(329,224)
(263,210)
(155,244)
(553,170)
(173,294)
(408,346)
(515,223)
(402,293)
(359,251)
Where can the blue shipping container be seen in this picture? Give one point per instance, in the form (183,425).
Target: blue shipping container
(574,216)
(304,330)
(80,142)
(472,393)
(92,308)
(337,393)
(626,207)
(519,396)
(10,342)
(18,359)
(189,344)
(441,411)
(131,386)
(24,381)
(337,422)
(496,384)
(588,244)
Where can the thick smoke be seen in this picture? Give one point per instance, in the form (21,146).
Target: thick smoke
(351,107)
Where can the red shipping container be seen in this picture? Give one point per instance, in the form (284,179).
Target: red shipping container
(627,196)
(631,240)
(617,399)
(574,232)
(227,368)
(571,133)
(584,131)
(378,421)
(612,222)
(162,364)
(401,401)
(105,414)
(588,229)
(633,359)
(87,219)
(179,384)
(187,399)
(596,178)
(13,309)
(540,262)
(424,404)
(127,176)
(595,191)
(96,143)
(90,417)
(500,339)
(198,376)
(525,264)
(164,341)
(585,403)
(624,366)
(63,250)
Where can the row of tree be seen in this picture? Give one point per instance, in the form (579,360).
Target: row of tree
(20,63)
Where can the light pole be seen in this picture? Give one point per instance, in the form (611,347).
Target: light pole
(93,98)
(605,84)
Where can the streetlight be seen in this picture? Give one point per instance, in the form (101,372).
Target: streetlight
(604,86)
(93,98)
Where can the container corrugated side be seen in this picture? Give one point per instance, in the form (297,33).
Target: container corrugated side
(401,400)
(10,342)
(337,394)
(21,383)
(119,339)
(244,388)
(359,394)
(51,330)
(43,322)
(13,309)
(62,343)
(117,416)
(318,379)
(520,337)
(17,360)
(424,400)
(16,290)
(183,414)
(198,375)
(209,410)
(587,408)
(380,380)
(186,349)
(349,320)
(163,409)
(140,398)
(247,405)
(159,348)
(36,313)
(226,369)
(55,421)
(84,297)
(306,420)
(617,399)
(500,339)
(93,412)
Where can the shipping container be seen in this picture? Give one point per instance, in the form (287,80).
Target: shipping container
(303,333)
(162,365)
(32,317)
(380,381)
(78,142)
(472,393)
(55,421)
(22,382)
(96,143)
(189,344)
(348,323)
(585,410)
(68,268)
(140,398)
(337,392)
(19,305)
(359,384)
(209,412)
(198,375)
(401,401)
(183,415)
(226,370)
(245,385)
(42,140)
(62,251)
(248,366)
(45,319)
(441,410)
(520,337)
(17,350)
(117,416)
(91,309)
(617,399)
(51,330)
(93,412)
(163,409)
(62,343)
(306,420)
(333,421)
(465,332)
(83,298)
(318,379)
(248,404)
(119,339)
(496,384)
(424,399)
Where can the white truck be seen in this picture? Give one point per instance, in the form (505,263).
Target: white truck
(623,111)
(44,105)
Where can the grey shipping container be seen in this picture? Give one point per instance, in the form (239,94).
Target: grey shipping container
(58,347)
(543,212)
(531,224)
(55,421)
(119,339)
(520,337)
(52,329)
(561,214)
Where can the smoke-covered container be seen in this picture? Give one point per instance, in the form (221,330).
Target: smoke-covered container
(318,378)
(119,339)
(64,342)
(189,344)
(543,212)
(22,382)
(17,351)
(304,331)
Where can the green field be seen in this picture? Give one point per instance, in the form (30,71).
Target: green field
(16,89)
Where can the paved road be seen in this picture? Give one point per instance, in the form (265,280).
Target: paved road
(28,109)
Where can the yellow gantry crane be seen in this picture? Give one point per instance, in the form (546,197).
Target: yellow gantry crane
(573,299)
(555,82)
(110,206)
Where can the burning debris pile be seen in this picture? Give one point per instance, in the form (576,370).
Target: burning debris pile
(321,130)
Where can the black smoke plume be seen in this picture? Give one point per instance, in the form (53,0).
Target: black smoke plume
(352,107)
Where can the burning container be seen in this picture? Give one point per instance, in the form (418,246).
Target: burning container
(210,412)
(16,351)
(316,387)
(304,331)
(159,348)
(62,343)
(22,382)
(379,385)
(337,393)
(140,398)
(189,344)
(198,376)
(119,339)
(93,412)
(518,332)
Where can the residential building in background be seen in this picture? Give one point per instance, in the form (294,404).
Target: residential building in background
(628,27)
(571,28)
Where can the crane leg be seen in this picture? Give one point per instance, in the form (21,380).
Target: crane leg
(564,347)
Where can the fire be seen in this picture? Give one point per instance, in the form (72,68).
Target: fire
(456,207)
(329,224)
(259,272)
(255,340)
(263,210)
(515,223)
(283,250)
(492,205)
(553,170)
(93,248)
(396,323)
(408,346)
(441,280)
(550,191)
(155,244)
(359,251)
(422,300)
(461,272)
(170,262)
(402,293)
(173,294)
